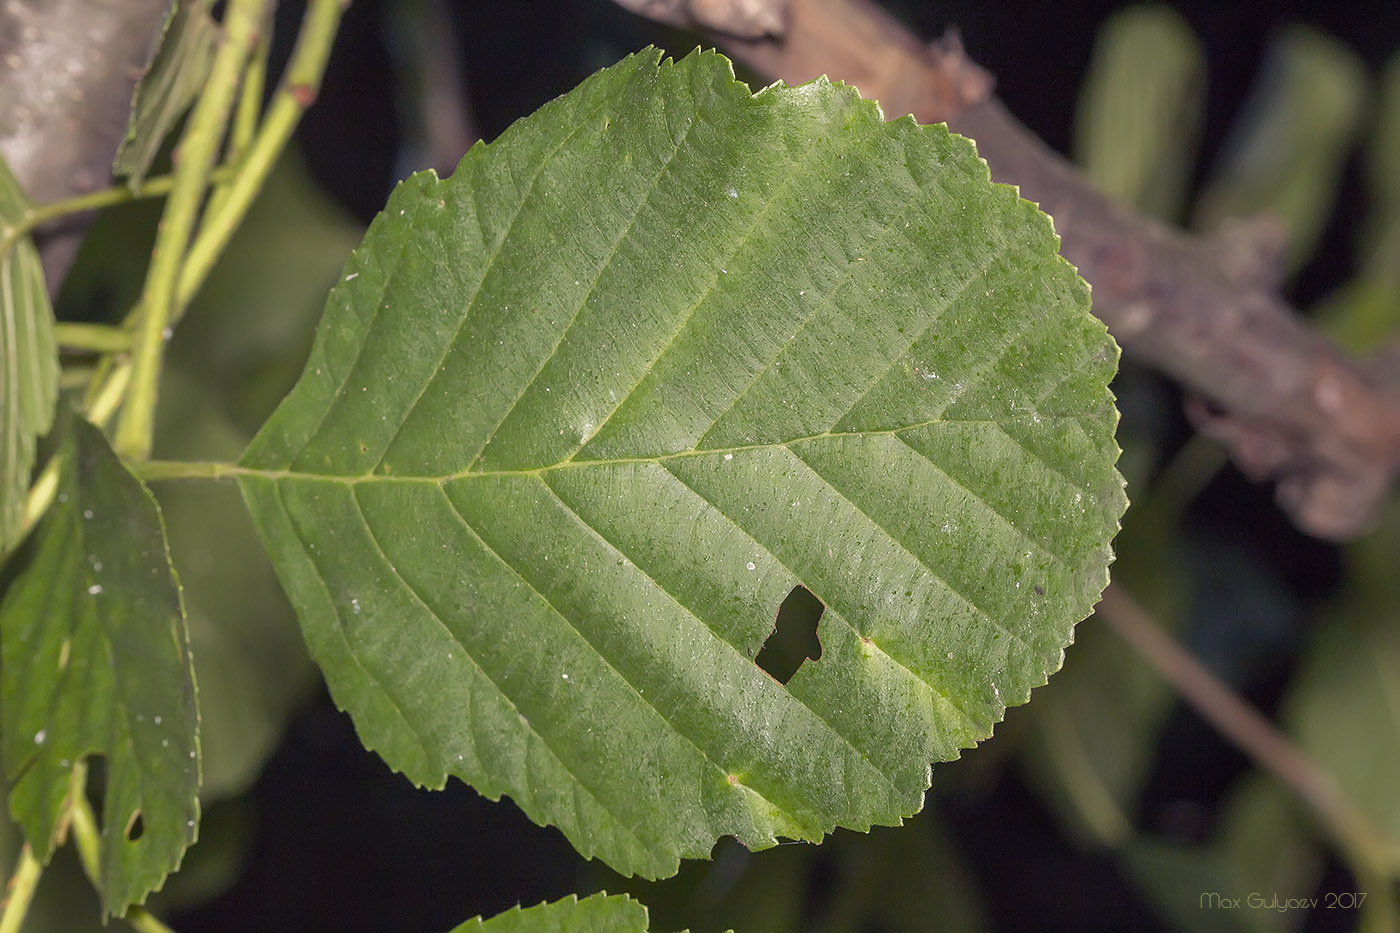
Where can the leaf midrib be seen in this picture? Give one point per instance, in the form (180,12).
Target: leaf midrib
(232,469)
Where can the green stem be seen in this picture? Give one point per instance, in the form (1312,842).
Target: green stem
(143,920)
(250,100)
(245,123)
(82,824)
(194,161)
(155,470)
(41,214)
(22,886)
(91,338)
(300,83)
(75,376)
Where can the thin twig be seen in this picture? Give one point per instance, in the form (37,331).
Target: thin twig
(1247,729)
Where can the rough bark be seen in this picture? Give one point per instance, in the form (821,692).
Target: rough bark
(67,70)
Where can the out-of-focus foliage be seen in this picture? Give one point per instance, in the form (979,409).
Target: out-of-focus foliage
(1140,108)
(1286,153)
(1100,736)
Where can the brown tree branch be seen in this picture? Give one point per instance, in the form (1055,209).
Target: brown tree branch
(1287,403)
(67,70)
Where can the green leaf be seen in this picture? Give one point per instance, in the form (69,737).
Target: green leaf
(606,914)
(28,359)
(1138,114)
(94,660)
(175,76)
(580,418)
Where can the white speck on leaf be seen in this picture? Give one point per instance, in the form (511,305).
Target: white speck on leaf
(351,276)
(729,456)
(750,565)
(95,589)
(40,736)
(87,513)
(732,193)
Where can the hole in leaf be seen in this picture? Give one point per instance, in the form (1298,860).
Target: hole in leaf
(135,827)
(794,638)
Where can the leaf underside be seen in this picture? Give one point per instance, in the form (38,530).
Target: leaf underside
(602,913)
(579,418)
(174,78)
(94,660)
(28,361)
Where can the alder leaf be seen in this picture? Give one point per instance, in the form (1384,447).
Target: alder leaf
(94,660)
(579,419)
(606,914)
(28,359)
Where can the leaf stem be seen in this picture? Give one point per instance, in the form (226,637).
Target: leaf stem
(298,88)
(154,470)
(1371,853)
(250,99)
(41,214)
(92,338)
(195,157)
(143,920)
(82,823)
(23,883)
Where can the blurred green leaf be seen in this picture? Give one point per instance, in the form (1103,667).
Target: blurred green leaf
(228,830)
(852,881)
(1095,736)
(525,403)
(172,81)
(600,913)
(1383,156)
(1343,706)
(94,660)
(1363,315)
(248,331)
(249,658)
(1262,846)
(1287,150)
(1139,111)
(733,889)
(904,880)
(28,360)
